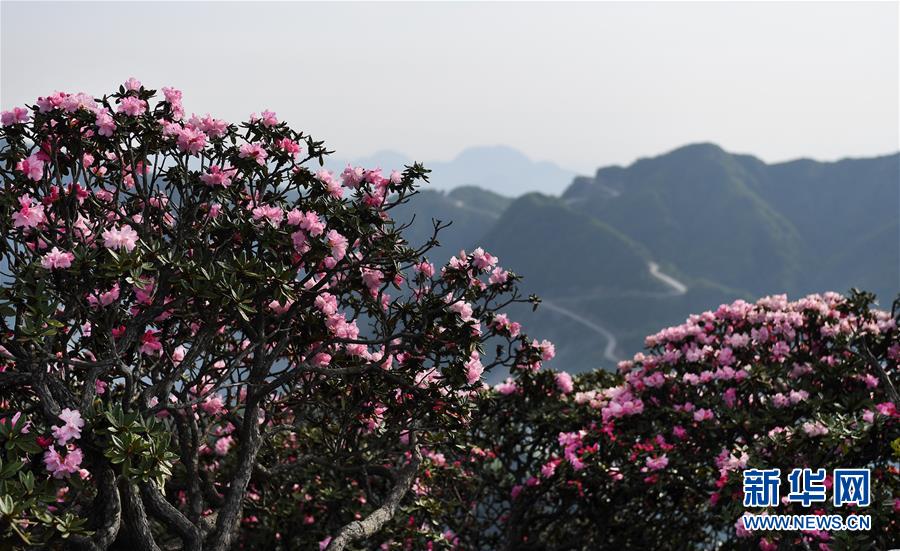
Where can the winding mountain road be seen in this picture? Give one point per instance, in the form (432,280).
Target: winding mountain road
(609,351)
(677,288)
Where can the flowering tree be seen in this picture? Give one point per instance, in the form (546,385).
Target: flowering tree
(190,316)
(653,457)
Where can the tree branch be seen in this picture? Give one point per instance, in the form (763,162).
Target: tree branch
(172,517)
(361,529)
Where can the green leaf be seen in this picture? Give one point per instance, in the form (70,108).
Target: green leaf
(7,505)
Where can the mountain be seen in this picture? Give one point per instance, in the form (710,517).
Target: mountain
(636,248)
(799,226)
(847,213)
(469,210)
(499,169)
(563,251)
(696,207)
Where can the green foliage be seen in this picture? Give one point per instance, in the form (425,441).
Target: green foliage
(140,447)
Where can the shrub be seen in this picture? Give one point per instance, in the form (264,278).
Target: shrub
(652,457)
(190,314)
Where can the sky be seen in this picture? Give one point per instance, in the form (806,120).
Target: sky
(582,85)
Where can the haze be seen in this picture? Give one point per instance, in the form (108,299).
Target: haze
(582,85)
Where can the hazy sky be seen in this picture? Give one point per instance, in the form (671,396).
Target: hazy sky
(579,84)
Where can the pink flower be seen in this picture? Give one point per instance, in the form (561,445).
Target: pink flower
(106,125)
(223,445)
(781,349)
(726,356)
(338,244)
(267,118)
(740,530)
(74,102)
(351,177)
(546,348)
(51,102)
(498,276)
(425,268)
(16,115)
(30,213)
(730,397)
(483,260)
(218,176)
(300,240)
(815,429)
(133,84)
(105,298)
(549,469)
(797,396)
(888,409)
(62,467)
(56,259)
(150,344)
(71,428)
(280,308)
(120,238)
(655,380)
(703,415)
(173,98)
(290,147)
(210,126)
(253,151)
(308,221)
(32,167)
(271,213)
(564,382)
(657,463)
(132,106)
(464,309)
(213,405)
(474,369)
(331,185)
(190,140)
(507,387)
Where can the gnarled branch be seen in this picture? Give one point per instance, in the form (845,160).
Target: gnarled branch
(361,529)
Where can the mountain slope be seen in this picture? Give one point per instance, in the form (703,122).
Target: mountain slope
(562,251)
(471,211)
(742,223)
(723,226)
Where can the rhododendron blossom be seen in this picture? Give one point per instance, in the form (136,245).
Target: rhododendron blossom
(32,167)
(29,215)
(274,336)
(56,259)
(71,428)
(16,115)
(120,238)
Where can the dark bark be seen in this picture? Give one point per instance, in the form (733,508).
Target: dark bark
(169,515)
(136,533)
(361,529)
(108,511)
(229,514)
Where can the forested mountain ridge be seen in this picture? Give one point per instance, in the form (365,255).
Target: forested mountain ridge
(723,225)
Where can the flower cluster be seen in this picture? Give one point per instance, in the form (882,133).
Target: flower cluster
(191,273)
(809,383)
